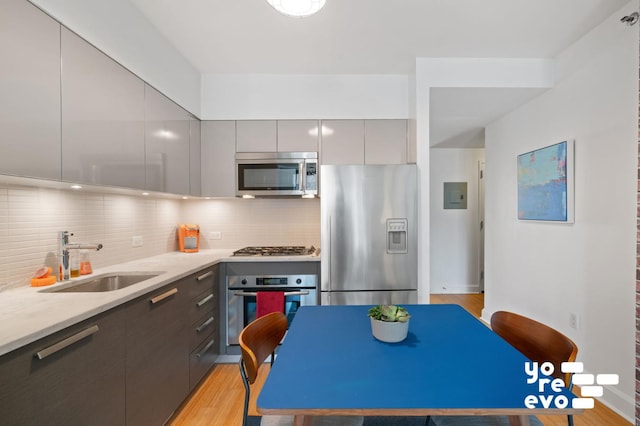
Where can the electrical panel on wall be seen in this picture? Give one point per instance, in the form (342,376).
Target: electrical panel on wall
(455,195)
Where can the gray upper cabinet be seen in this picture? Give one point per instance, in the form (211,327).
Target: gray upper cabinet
(298,135)
(342,142)
(256,136)
(29,91)
(218,158)
(194,156)
(364,142)
(385,141)
(102,118)
(167,144)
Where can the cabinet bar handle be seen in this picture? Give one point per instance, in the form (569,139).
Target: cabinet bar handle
(205,300)
(205,349)
(204,325)
(204,276)
(161,297)
(66,342)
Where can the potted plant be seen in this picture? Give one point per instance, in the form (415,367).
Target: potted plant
(389,323)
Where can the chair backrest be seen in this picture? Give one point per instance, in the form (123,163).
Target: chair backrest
(536,341)
(259,339)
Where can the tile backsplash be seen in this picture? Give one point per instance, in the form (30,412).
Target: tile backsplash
(32,217)
(255,222)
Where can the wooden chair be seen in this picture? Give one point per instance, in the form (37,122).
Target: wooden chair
(538,342)
(258,340)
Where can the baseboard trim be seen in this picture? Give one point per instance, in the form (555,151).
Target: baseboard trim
(456,289)
(619,403)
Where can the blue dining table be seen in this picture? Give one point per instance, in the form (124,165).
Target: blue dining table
(450,364)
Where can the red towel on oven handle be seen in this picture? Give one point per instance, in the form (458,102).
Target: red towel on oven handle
(269,301)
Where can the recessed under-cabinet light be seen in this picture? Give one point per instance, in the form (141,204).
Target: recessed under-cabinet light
(76,186)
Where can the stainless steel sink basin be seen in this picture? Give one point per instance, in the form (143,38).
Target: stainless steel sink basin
(107,282)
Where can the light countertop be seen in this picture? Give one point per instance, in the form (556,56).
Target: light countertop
(30,313)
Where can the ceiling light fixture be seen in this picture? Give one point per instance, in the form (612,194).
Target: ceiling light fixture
(297,8)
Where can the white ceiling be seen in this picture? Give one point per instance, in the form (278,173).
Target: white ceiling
(380,37)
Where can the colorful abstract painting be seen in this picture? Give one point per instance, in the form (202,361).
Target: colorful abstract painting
(543,184)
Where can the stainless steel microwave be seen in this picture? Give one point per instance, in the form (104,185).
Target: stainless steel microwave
(260,174)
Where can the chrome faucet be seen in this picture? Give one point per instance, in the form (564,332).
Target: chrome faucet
(63,253)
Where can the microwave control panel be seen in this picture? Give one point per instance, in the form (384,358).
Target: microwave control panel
(311,181)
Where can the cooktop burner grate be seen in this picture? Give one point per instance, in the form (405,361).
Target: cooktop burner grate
(275,251)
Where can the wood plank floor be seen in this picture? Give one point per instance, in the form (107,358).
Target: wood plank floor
(218,400)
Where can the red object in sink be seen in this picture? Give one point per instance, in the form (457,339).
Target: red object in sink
(269,301)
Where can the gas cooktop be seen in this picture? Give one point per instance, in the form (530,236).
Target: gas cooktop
(275,251)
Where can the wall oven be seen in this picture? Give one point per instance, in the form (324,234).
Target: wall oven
(299,290)
(256,269)
(263,174)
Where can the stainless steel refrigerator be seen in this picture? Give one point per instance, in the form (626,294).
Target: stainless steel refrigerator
(369,234)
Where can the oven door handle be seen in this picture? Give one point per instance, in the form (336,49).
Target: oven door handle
(286,293)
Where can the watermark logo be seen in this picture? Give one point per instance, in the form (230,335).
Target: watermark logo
(550,389)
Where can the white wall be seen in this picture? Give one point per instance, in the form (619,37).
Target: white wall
(270,96)
(548,270)
(458,72)
(117,28)
(455,235)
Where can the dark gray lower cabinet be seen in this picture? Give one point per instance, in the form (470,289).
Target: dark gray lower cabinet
(203,330)
(202,359)
(73,377)
(132,365)
(157,360)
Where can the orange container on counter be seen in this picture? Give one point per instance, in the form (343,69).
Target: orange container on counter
(189,237)
(43,277)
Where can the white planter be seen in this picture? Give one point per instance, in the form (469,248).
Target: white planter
(390,332)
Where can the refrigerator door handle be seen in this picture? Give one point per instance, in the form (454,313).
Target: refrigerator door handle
(329,256)
(326,257)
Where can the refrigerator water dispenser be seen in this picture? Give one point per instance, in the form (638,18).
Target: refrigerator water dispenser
(397,235)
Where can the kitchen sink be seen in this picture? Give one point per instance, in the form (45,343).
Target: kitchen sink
(106,282)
